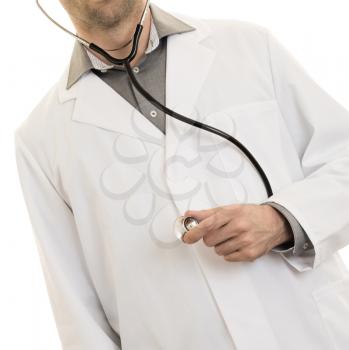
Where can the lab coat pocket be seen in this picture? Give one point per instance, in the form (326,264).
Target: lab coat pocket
(259,126)
(333,305)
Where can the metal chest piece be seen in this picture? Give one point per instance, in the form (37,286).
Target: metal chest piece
(183,224)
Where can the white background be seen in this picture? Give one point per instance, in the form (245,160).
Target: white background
(33,55)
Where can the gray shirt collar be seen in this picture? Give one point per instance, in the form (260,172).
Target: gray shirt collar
(165,24)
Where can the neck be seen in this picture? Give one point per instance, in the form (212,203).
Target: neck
(116,38)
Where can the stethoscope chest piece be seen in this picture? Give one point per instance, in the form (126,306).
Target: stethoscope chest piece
(183,224)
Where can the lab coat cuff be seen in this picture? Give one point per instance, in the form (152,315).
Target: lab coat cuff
(301,242)
(310,257)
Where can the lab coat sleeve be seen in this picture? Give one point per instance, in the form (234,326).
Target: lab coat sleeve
(319,129)
(80,320)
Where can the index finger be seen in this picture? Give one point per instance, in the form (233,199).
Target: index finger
(202,214)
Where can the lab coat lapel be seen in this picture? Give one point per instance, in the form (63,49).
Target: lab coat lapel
(188,64)
(97,104)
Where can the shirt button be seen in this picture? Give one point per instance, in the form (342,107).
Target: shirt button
(306,245)
(153,114)
(104,70)
(136,70)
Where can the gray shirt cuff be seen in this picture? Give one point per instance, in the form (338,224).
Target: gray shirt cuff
(302,242)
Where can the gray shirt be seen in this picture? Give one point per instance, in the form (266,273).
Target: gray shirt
(151,73)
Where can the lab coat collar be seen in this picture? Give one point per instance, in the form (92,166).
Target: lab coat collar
(188,63)
(163,24)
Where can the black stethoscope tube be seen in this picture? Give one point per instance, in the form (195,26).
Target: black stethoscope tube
(122,61)
(200,125)
(126,62)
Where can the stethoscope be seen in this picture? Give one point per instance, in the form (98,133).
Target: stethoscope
(182,224)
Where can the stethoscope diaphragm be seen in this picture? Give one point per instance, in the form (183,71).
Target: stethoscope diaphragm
(183,224)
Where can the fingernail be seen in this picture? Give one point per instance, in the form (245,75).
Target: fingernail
(183,238)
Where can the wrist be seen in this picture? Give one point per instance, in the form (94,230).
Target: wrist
(284,233)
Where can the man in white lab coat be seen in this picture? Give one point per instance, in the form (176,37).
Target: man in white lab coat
(105,174)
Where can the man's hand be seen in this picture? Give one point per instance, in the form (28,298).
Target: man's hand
(240,232)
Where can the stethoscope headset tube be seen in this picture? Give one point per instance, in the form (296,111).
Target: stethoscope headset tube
(126,62)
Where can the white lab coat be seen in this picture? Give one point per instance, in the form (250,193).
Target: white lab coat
(103,187)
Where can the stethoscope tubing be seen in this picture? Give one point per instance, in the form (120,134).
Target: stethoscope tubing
(200,125)
(126,62)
